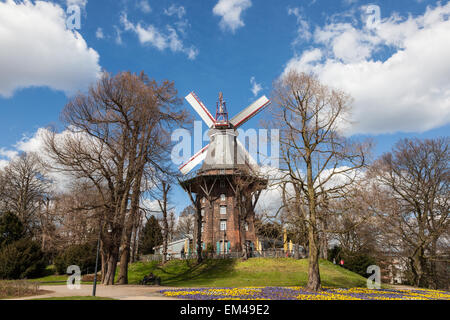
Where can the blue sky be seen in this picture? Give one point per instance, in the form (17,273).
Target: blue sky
(398,73)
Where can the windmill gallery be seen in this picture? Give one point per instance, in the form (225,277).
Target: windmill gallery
(226,188)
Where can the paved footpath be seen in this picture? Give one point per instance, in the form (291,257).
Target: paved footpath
(120,292)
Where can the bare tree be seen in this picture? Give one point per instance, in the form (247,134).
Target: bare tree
(351,220)
(247,191)
(186,222)
(112,133)
(313,152)
(196,203)
(24,189)
(414,181)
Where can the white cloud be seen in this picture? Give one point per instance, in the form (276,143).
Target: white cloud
(408,91)
(9,154)
(303,29)
(99,33)
(118,39)
(161,40)
(144,6)
(230,11)
(178,11)
(35,144)
(38,50)
(80,3)
(150,205)
(256,87)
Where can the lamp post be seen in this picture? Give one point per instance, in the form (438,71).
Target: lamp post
(94,289)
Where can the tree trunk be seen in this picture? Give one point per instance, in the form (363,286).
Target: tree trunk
(127,232)
(418,267)
(111,265)
(199,229)
(323,240)
(124,255)
(244,245)
(163,206)
(314,283)
(313,235)
(297,251)
(434,280)
(135,244)
(165,236)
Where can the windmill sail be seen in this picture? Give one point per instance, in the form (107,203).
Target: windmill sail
(250,111)
(200,108)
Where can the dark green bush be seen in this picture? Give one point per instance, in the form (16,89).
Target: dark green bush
(11,228)
(82,255)
(21,259)
(356,262)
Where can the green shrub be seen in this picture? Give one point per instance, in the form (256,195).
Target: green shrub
(82,255)
(11,229)
(21,259)
(356,262)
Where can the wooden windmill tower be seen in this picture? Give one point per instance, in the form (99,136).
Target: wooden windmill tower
(227,186)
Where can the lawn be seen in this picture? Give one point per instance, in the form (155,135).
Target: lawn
(54,280)
(50,278)
(238,273)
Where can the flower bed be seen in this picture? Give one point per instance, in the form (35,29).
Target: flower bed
(299,293)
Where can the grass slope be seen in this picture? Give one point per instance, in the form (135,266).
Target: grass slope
(238,273)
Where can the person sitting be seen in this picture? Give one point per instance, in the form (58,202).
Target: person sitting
(151,279)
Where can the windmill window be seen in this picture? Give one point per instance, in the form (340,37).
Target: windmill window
(223,197)
(246,226)
(202,212)
(203,227)
(223,209)
(223,225)
(203,200)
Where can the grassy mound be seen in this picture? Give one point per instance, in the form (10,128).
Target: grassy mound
(238,273)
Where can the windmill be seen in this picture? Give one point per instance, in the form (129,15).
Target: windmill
(224,151)
(225,189)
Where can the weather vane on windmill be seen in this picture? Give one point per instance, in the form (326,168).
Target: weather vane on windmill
(224,188)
